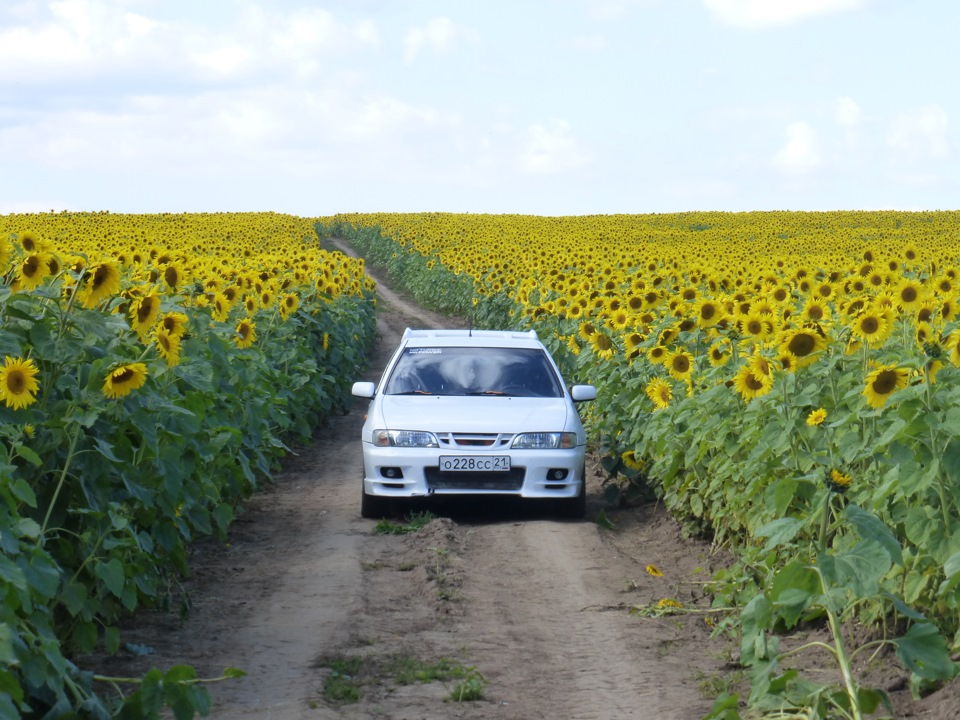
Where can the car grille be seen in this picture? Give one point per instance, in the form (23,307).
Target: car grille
(510,480)
(474,440)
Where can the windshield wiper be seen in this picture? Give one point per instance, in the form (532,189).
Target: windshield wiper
(413,392)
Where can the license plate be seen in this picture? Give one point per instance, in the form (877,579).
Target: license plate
(474,463)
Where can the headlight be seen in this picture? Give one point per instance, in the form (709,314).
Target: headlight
(404,438)
(544,441)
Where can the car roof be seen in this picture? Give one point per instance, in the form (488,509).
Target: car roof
(454,337)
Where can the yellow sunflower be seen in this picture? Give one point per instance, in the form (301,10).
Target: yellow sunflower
(33,270)
(660,393)
(816,417)
(143,313)
(883,382)
(123,379)
(168,346)
(803,345)
(18,382)
(175,323)
(101,282)
(871,326)
(680,365)
(719,353)
(752,384)
(246,334)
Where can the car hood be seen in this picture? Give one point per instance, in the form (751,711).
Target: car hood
(476,414)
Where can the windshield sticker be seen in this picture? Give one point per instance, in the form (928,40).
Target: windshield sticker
(424,351)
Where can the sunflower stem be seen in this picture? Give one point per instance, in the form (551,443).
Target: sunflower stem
(63,476)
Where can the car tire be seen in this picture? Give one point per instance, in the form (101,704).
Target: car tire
(575,508)
(373,507)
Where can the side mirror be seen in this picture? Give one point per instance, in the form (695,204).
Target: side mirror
(366,389)
(579,393)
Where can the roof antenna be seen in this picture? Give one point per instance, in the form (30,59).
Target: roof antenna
(470,328)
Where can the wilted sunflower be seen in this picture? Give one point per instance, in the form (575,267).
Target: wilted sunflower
(883,382)
(660,392)
(18,382)
(246,334)
(752,384)
(123,379)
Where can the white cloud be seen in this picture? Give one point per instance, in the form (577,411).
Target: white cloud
(757,14)
(552,149)
(438,34)
(594,42)
(801,153)
(847,112)
(920,134)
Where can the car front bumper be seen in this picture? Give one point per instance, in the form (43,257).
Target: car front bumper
(415,472)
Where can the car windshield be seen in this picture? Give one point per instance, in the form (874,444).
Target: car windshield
(519,372)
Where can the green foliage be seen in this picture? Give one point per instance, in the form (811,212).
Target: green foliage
(756,477)
(100,497)
(414,522)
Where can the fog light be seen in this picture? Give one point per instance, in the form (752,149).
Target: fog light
(391,472)
(557,474)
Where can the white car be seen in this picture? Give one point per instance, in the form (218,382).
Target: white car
(472,412)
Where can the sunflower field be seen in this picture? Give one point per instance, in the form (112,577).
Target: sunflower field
(153,371)
(788,384)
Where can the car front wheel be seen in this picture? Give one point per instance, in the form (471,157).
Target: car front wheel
(373,507)
(576,507)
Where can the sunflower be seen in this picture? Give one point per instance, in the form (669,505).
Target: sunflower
(680,365)
(815,309)
(756,327)
(175,323)
(124,378)
(221,307)
(289,305)
(657,355)
(708,313)
(629,459)
(838,481)
(816,417)
(143,313)
(602,345)
(34,269)
(173,276)
(32,243)
(719,352)
(102,282)
(802,344)
(246,333)
(909,294)
(660,393)
(883,382)
(168,346)
(871,326)
(752,384)
(18,382)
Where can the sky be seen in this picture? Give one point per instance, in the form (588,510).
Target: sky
(541,107)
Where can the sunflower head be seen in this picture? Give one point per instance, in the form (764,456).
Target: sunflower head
(18,382)
(838,481)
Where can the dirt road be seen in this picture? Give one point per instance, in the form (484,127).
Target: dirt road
(308,599)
